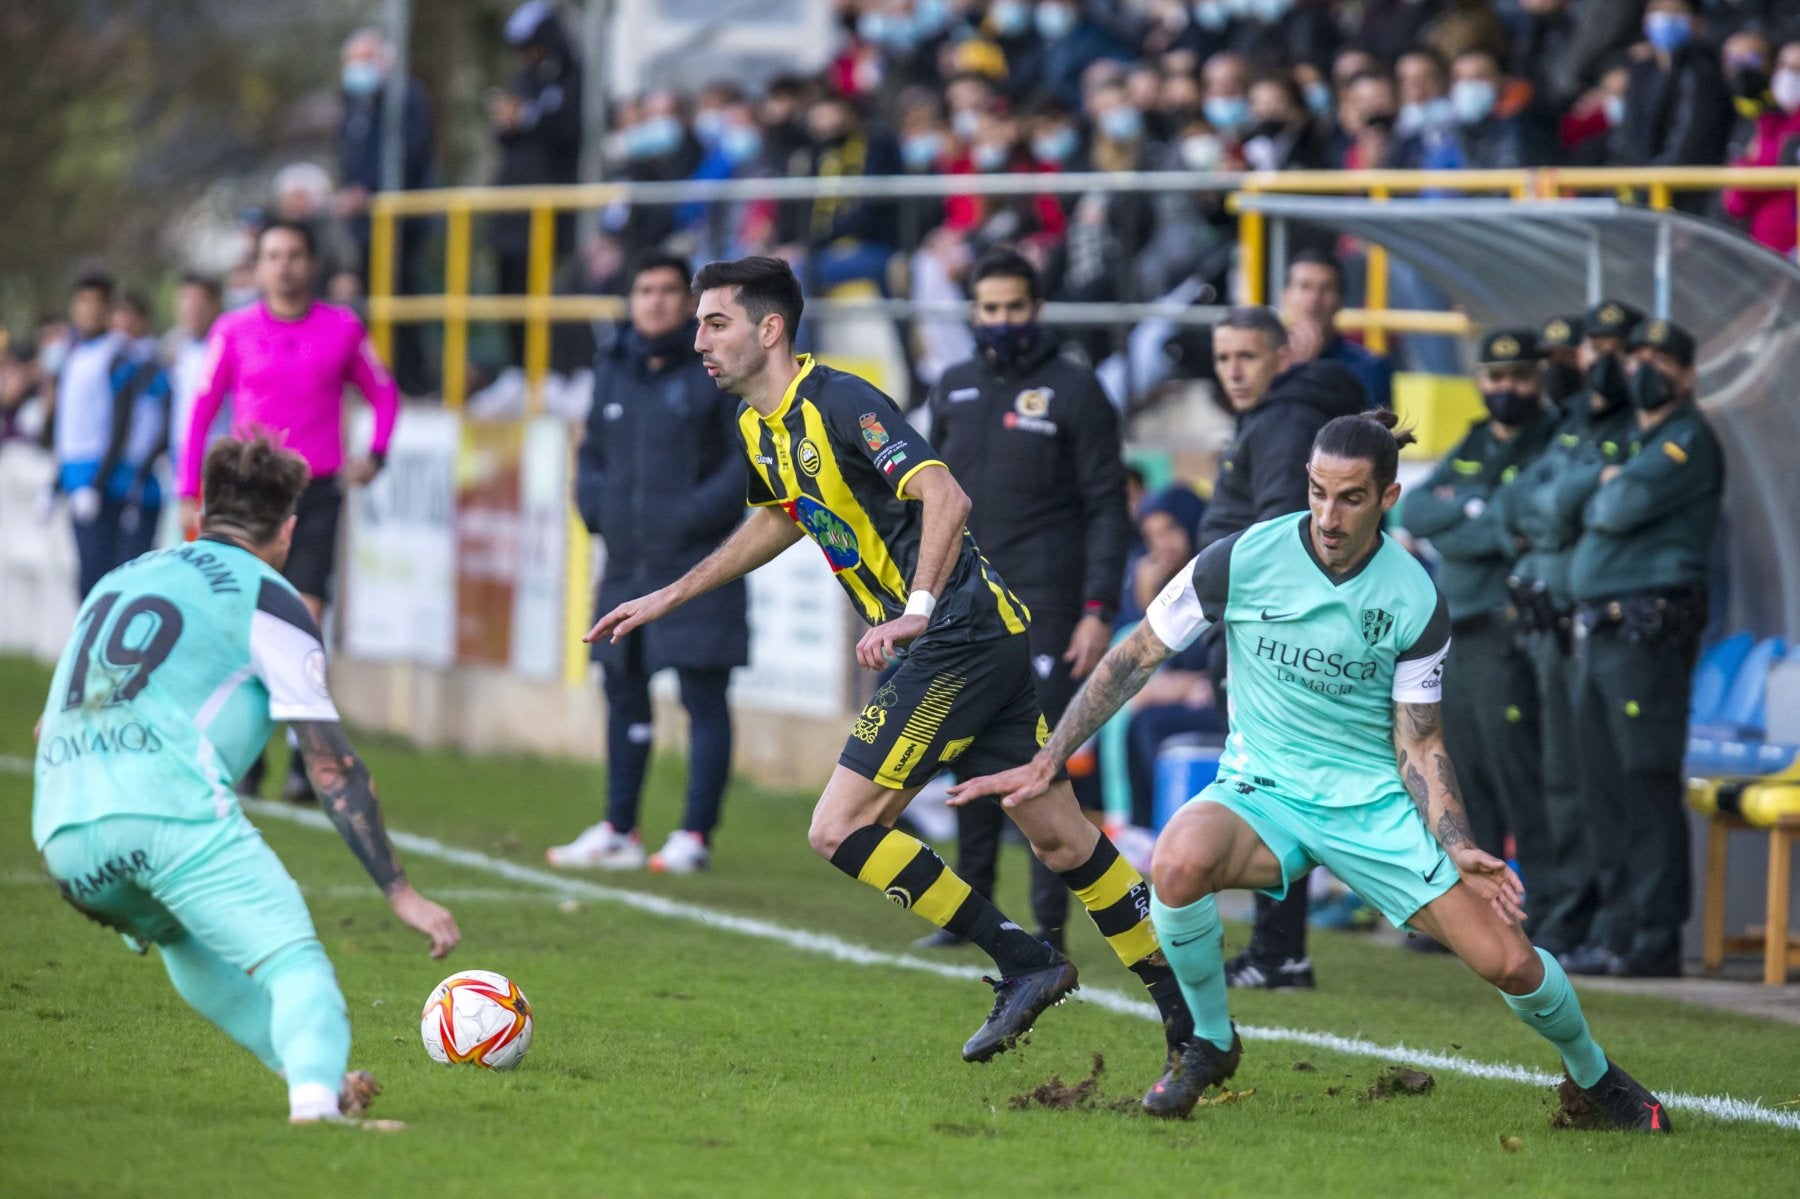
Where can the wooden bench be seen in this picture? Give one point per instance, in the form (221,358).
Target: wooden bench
(1775,938)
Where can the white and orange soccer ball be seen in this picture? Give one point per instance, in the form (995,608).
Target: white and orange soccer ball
(477,1018)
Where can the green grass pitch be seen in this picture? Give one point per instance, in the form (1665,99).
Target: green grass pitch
(676,1058)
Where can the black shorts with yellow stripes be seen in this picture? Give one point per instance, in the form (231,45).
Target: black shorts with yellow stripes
(970,705)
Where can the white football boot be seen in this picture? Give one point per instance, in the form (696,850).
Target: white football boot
(682,853)
(602,847)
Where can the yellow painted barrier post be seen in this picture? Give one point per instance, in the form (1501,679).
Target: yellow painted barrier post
(577,597)
(1660,197)
(456,308)
(381,279)
(1375,296)
(1252,254)
(539,269)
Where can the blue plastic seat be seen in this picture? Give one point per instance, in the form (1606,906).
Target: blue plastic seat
(1713,675)
(1741,714)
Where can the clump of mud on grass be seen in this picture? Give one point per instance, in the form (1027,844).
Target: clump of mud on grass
(1573,1111)
(1059,1096)
(1399,1080)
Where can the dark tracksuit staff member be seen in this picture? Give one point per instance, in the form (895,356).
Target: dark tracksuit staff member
(1639,580)
(1542,507)
(1490,694)
(1281,407)
(661,479)
(1035,443)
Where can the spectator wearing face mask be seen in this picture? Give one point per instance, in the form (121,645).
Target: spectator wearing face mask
(657,147)
(1366,121)
(1586,132)
(843,238)
(1282,135)
(1226,104)
(1188,225)
(368,60)
(1425,129)
(536,122)
(1498,119)
(1747,56)
(1769,215)
(1677,108)
(1001,148)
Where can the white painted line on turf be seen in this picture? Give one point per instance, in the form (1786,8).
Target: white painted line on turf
(1721,1107)
(12,765)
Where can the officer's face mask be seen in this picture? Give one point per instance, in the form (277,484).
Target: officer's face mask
(1606,378)
(1561,380)
(1650,389)
(1510,407)
(1006,344)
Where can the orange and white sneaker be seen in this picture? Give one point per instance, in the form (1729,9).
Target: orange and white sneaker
(683,853)
(602,847)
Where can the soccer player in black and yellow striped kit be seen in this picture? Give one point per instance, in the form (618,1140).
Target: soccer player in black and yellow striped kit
(832,458)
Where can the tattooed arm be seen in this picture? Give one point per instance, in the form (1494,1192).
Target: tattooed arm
(348,796)
(1430,779)
(1120,675)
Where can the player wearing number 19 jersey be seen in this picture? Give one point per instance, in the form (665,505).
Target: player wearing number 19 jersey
(179,663)
(1335,758)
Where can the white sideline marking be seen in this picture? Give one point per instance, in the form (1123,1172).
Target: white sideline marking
(1721,1107)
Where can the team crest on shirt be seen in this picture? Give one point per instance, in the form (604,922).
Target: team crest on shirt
(1033,402)
(315,672)
(809,458)
(1375,624)
(873,433)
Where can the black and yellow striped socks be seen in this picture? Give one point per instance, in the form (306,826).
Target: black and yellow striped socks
(1118,899)
(908,873)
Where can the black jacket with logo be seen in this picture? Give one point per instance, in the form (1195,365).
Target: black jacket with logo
(1263,472)
(1037,448)
(661,479)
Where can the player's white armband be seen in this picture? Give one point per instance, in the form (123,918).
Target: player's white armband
(1175,614)
(1421,680)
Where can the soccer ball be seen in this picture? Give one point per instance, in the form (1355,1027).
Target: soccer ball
(477,1018)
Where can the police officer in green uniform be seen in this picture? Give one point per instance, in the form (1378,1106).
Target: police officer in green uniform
(1542,510)
(1638,575)
(1490,696)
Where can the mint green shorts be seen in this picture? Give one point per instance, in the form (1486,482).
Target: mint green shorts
(1381,849)
(156,880)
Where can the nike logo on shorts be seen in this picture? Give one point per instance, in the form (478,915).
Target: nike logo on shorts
(1439,865)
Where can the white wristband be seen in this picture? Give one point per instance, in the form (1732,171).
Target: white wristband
(921,603)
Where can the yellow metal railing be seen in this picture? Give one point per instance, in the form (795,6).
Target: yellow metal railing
(538,308)
(1542,183)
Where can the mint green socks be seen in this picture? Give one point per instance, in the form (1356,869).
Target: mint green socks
(308,1023)
(1194,944)
(1554,1013)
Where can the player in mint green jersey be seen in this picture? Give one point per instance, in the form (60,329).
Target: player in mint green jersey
(1335,758)
(179,664)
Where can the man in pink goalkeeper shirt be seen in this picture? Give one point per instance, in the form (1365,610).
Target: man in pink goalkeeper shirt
(284,362)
